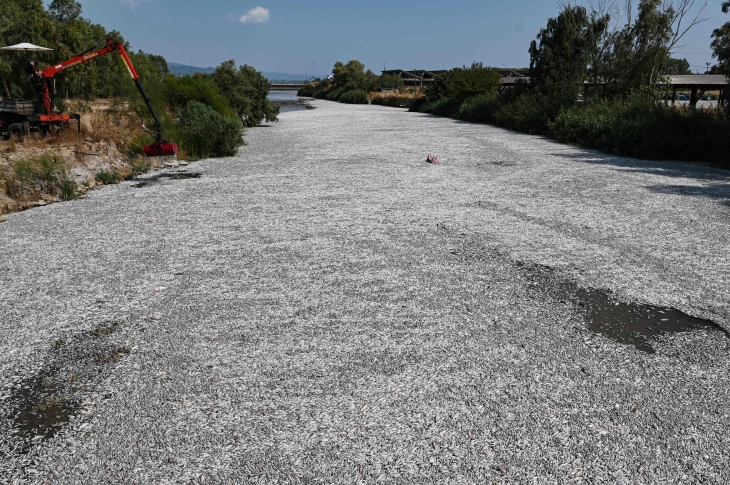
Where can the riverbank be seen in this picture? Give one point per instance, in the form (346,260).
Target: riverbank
(327,304)
(42,170)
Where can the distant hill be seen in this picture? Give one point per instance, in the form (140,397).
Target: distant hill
(182,69)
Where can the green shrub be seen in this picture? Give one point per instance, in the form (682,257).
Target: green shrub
(334,94)
(179,91)
(462,83)
(306,91)
(356,96)
(531,112)
(67,189)
(108,177)
(638,126)
(418,104)
(479,109)
(205,133)
(442,107)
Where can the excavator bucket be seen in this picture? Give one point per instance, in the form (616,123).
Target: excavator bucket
(160,149)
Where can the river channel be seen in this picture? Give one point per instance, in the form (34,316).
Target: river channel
(288,101)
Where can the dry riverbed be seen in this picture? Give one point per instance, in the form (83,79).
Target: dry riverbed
(328,308)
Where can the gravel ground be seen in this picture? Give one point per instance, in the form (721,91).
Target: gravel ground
(328,308)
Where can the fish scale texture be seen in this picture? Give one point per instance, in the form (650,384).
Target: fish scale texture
(327,308)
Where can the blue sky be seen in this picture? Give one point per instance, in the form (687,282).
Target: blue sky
(286,36)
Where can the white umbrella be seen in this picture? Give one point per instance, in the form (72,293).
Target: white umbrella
(25,47)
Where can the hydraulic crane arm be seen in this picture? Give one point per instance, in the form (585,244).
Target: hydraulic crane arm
(111,46)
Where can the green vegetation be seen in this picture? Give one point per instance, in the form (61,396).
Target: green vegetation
(640,127)
(206,133)
(721,45)
(463,83)
(109,177)
(30,178)
(623,113)
(356,96)
(237,94)
(245,89)
(348,84)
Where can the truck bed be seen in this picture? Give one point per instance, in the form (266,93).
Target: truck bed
(17,106)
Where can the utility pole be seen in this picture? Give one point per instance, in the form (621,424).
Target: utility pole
(708,68)
(312,69)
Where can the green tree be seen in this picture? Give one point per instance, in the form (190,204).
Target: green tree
(561,54)
(26,21)
(65,10)
(461,83)
(677,67)
(721,45)
(638,55)
(246,90)
(180,91)
(349,76)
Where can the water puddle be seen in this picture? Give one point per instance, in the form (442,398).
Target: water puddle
(634,323)
(627,323)
(179,175)
(43,409)
(39,405)
(166,175)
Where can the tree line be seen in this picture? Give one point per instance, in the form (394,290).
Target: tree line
(350,83)
(598,79)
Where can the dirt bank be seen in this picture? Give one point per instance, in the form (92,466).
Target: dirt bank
(37,171)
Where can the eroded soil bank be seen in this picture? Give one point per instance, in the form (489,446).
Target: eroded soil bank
(327,308)
(66,164)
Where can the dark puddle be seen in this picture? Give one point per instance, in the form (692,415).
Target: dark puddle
(627,323)
(43,409)
(41,404)
(634,323)
(179,175)
(166,175)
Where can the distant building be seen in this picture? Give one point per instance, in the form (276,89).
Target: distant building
(417,77)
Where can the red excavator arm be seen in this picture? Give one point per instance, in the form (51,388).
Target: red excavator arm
(160,146)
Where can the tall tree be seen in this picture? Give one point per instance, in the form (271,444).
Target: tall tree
(65,10)
(677,66)
(562,52)
(721,44)
(246,90)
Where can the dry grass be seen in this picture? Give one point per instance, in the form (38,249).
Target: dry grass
(396,99)
(100,127)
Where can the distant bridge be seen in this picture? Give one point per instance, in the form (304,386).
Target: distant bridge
(293,86)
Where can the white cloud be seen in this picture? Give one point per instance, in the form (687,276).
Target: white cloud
(258,15)
(132,4)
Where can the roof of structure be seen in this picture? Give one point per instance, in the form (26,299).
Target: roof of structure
(698,80)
